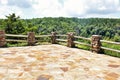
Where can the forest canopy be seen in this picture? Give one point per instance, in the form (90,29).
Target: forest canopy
(108,28)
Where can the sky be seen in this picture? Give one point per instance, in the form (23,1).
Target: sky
(28,9)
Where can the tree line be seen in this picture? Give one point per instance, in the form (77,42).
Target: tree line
(108,28)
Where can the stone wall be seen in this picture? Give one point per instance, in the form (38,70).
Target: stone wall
(31,38)
(2,38)
(53,38)
(70,40)
(96,44)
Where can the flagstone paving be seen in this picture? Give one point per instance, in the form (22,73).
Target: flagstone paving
(56,62)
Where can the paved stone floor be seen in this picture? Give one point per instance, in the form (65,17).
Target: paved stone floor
(56,62)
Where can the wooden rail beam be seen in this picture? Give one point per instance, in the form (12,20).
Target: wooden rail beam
(111,42)
(39,36)
(61,35)
(14,35)
(114,50)
(61,40)
(79,37)
(13,40)
(76,42)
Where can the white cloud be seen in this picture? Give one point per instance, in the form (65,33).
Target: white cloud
(103,6)
(6,10)
(46,8)
(3,1)
(20,3)
(76,7)
(58,8)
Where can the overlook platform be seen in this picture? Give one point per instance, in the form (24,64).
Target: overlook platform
(56,62)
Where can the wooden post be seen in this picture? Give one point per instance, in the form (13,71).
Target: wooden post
(2,38)
(53,38)
(95,43)
(31,39)
(70,40)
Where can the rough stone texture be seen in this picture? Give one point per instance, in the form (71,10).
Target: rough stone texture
(56,62)
(96,44)
(53,38)
(70,40)
(45,77)
(2,38)
(31,38)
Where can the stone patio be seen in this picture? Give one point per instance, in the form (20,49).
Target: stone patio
(56,62)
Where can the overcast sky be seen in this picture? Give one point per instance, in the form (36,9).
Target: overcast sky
(61,8)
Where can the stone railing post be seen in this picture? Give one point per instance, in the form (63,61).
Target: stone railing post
(70,40)
(53,37)
(31,39)
(96,44)
(2,38)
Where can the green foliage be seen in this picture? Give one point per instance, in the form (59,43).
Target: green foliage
(108,28)
(13,25)
(16,44)
(117,38)
(113,46)
(2,22)
(111,53)
(83,47)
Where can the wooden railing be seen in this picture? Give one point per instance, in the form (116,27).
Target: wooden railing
(89,39)
(22,36)
(69,38)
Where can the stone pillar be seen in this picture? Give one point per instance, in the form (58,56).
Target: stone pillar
(95,43)
(31,38)
(70,40)
(2,38)
(53,38)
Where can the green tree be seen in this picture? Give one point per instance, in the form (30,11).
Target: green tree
(13,24)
